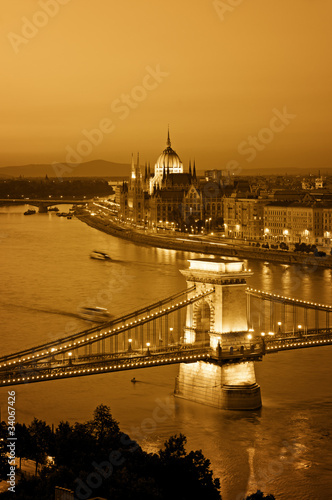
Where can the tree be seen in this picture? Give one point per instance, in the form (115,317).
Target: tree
(103,424)
(191,474)
(23,443)
(41,441)
(259,495)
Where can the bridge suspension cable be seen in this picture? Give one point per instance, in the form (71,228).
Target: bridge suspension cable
(114,332)
(288,300)
(98,328)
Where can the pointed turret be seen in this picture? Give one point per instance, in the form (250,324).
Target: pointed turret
(168,143)
(194,170)
(133,173)
(189,167)
(138,172)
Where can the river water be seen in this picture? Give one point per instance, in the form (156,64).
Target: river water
(46,275)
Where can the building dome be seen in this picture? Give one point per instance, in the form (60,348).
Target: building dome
(168,160)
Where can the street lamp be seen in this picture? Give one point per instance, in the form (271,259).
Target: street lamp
(171,339)
(148,353)
(69,356)
(129,345)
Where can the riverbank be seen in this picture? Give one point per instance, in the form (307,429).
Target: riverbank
(182,243)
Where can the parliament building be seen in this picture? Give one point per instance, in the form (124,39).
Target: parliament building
(168,196)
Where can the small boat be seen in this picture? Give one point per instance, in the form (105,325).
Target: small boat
(30,212)
(95,314)
(133,380)
(99,255)
(53,209)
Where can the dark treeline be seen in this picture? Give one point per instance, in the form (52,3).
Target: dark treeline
(97,459)
(43,188)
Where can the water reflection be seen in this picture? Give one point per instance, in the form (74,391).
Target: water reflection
(282,449)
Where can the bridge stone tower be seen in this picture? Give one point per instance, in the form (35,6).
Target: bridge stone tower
(221,319)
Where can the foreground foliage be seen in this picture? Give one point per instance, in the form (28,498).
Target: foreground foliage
(97,459)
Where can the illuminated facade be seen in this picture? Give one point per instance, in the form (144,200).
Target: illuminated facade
(309,222)
(243,217)
(167,163)
(221,320)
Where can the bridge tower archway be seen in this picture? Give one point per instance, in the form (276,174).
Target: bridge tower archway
(202,320)
(225,311)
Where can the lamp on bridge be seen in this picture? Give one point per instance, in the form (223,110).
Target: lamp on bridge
(70,357)
(129,345)
(171,338)
(263,341)
(148,353)
(279,326)
(300,329)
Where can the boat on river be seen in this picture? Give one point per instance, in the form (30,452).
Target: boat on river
(99,255)
(95,314)
(30,212)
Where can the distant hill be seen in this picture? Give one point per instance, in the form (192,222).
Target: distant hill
(102,168)
(95,168)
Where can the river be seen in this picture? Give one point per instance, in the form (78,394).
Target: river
(47,275)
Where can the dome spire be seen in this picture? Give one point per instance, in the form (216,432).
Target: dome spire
(168,143)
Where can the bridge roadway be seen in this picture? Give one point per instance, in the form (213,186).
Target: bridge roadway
(43,204)
(53,369)
(48,201)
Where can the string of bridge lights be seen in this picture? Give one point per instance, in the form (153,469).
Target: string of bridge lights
(115,321)
(298,344)
(119,329)
(304,302)
(104,369)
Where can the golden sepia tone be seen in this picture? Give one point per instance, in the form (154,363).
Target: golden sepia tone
(165,250)
(224,70)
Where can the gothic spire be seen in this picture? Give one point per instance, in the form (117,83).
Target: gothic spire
(189,167)
(168,143)
(194,170)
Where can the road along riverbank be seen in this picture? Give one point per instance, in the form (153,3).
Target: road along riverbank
(184,243)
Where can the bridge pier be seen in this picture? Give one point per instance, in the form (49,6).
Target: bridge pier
(43,208)
(222,320)
(228,387)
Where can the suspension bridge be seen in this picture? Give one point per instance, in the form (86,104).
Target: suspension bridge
(215,329)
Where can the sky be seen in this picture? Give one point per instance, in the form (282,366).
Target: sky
(241,84)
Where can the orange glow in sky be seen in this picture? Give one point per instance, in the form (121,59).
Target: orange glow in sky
(217,75)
